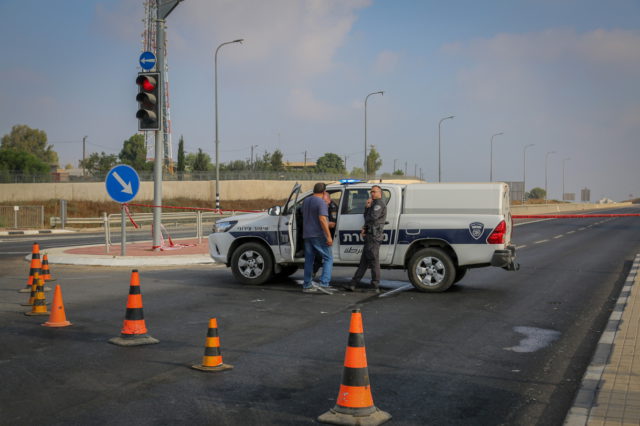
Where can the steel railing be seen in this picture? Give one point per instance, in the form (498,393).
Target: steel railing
(21,217)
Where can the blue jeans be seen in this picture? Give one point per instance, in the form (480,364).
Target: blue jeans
(311,247)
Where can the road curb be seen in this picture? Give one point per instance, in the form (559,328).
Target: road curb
(36,232)
(591,381)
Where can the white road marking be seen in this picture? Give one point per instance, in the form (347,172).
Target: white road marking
(541,241)
(571,232)
(558,236)
(521,247)
(582,229)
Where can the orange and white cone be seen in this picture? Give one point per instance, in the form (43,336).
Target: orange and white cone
(58,318)
(34,288)
(134,329)
(212,359)
(39,306)
(355,403)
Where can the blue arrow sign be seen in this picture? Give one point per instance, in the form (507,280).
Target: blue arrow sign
(147,60)
(122,183)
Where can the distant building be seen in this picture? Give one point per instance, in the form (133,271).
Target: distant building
(605,201)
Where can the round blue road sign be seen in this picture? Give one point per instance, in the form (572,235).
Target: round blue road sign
(147,60)
(122,183)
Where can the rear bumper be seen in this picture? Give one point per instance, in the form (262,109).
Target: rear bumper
(505,259)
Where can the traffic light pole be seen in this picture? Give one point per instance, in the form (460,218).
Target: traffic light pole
(159,154)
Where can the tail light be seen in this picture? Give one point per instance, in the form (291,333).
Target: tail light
(497,236)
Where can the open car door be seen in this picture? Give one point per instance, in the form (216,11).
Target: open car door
(287,225)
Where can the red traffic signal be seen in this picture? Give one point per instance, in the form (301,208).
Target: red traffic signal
(148,97)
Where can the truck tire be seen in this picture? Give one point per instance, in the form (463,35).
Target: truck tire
(431,270)
(251,263)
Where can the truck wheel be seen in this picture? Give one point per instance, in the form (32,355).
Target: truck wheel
(251,264)
(431,270)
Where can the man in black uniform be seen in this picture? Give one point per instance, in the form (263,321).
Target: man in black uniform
(333,218)
(375,214)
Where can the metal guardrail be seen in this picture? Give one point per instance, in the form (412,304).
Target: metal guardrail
(198,218)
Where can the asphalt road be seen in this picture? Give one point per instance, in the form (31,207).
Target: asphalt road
(498,348)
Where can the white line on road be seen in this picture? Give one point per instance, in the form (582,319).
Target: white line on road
(558,236)
(570,232)
(582,229)
(521,247)
(541,241)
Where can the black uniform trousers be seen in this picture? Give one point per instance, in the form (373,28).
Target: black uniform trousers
(370,259)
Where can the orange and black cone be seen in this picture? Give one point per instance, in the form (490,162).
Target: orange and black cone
(34,288)
(39,306)
(355,403)
(134,329)
(212,359)
(33,268)
(58,318)
(46,273)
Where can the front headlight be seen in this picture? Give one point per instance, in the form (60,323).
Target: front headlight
(224,226)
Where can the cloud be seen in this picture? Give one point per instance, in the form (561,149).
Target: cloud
(121,20)
(386,62)
(303,104)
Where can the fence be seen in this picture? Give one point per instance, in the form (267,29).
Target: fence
(21,217)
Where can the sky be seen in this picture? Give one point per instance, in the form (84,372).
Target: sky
(560,74)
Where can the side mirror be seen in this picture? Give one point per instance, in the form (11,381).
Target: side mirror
(274,211)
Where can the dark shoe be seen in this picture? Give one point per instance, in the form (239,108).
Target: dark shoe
(349,287)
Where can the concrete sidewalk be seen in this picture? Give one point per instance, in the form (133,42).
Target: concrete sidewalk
(184,252)
(610,390)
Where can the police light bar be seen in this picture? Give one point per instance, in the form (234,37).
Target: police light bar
(343,181)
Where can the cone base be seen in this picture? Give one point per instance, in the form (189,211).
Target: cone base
(133,340)
(56,324)
(50,279)
(376,418)
(25,290)
(37,313)
(221,367)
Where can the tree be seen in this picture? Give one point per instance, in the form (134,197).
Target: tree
(357,172)
(34,141)
(134,152)
(537,193)
(398,173)
(276,161)
(99,164)
(374,162)
(201,162)
(181,163)
(14,161)
(330,163)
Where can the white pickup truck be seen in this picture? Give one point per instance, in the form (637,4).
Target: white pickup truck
(433,231)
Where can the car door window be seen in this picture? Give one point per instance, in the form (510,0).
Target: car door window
(355,200)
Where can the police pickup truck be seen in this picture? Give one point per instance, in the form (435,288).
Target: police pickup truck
(436,232)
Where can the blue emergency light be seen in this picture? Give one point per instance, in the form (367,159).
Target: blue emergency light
(343,181)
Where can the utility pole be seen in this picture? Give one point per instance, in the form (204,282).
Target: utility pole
(415,170)
(345,163)
(421,178)
(252,163)
(84,153)
(405,168)
(305,160)
(394,165)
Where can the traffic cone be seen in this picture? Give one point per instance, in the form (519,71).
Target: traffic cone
(34,267)
(134,329)
(34,288)
(40,302)
(46,273)
(57,318)
(212,359)
(355,403)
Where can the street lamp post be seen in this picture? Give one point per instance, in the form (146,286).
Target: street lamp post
(439,156)
(216,109)
(524,171)
(491,160)
(546,160)
(564,160)
(366,168)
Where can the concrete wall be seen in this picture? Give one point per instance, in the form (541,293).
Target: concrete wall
(560,208)
(199,190)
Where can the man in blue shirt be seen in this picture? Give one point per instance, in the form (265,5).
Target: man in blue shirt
(317,240)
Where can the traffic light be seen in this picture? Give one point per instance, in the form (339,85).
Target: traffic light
(148,98)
